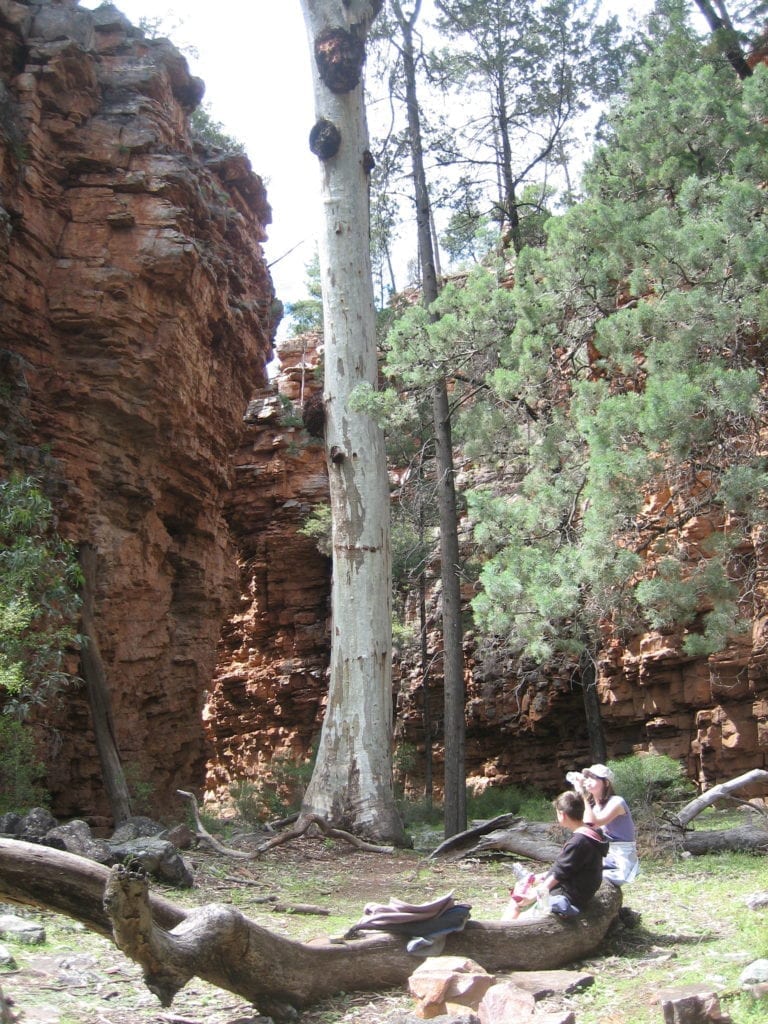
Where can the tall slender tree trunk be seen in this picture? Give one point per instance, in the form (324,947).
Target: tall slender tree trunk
(426,715)
(453,635)
(509,200)
(597,747)
(455,800)
(99,698)
(352,784)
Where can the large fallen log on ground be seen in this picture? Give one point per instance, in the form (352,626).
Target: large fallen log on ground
(745,838)
(750,836)
(279,976)
(508,833)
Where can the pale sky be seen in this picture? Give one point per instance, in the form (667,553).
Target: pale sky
(254,59)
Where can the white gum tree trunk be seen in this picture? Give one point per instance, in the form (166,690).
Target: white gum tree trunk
(351,784)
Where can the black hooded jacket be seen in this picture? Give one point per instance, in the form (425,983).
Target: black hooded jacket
(579,865)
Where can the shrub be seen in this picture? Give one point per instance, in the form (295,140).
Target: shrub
(422,813)
(141,789)
(211,132)
(39,601)
(20,770)
(645,780)
(276,795)
(495,800)
(317,526)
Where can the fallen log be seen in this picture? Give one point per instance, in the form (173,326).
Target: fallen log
(507,833)
(39,876)
(744,838)
(756,778)
(278,975)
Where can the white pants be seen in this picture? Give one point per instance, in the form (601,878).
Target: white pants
(621,865)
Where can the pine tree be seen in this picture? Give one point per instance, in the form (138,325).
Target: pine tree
(637,355)
(522,72)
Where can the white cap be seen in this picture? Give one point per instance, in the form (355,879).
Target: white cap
(599,771)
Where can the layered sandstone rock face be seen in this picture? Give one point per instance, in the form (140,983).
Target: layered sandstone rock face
(522,728)
(136,326)
(268,695)
(529,728)
(137,320)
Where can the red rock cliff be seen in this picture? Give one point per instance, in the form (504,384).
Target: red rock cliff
(137,320)
(136,325)
(268,694)
(522,727)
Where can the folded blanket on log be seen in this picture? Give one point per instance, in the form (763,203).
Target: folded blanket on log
(425,920)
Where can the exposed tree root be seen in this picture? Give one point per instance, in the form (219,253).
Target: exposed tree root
(303,825)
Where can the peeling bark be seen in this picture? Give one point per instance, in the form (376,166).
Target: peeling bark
(351,785)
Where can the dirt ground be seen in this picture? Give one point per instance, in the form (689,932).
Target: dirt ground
(76,977)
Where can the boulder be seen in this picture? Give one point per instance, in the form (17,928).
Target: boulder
(448,984)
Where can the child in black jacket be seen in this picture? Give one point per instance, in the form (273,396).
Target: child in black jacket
(576,874)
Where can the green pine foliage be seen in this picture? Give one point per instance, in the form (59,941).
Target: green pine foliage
(317,526)
(633,368)
(211,132)
(39,600)
(307,314)
(647,781)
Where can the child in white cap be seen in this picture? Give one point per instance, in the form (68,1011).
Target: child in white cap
(610,812)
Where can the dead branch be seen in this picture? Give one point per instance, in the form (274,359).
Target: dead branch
(506,833)
(202,832)
(284,908)
(756,777)
(745,837)
(300,908)
(303,826)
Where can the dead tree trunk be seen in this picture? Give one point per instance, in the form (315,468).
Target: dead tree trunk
(725,790)
(507,833)
(745,837)
(38,876)
(99,698)
(278,975)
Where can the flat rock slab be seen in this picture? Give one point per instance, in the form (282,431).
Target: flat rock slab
(542,984)
(21,930)
(676,992)
(691,1004)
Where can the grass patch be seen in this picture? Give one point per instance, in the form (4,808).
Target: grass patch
(695,927)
